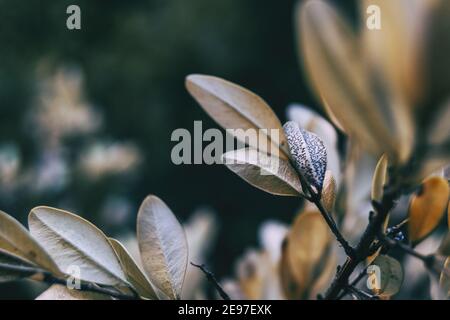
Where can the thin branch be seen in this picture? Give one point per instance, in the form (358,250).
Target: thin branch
(315,198)
(428,260)
(212,279)
(47,277)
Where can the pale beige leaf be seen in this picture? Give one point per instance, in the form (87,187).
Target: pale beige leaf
(270,174)
(391,276)
(379,178)
(427,208)
(134,275)
(308,245)
(17,240)
(163,246)
(234,107)
(60,292)
(75,242)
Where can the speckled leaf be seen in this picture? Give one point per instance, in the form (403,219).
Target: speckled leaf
(163,246)
(308,153)
(270,174)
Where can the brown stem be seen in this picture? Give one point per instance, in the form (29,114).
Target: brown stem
(45,276)
(315,198)
(212,279)
(377,219)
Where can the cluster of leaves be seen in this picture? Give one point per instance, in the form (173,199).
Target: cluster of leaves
(64,249)
(385,107)
(395,110)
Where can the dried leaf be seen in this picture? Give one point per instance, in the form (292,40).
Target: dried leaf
(17,240)
(308,248)
(234,107)
(75,242)
(291,289)
(379,178)
(396,48)
(331,51)
(7,259)
(60,292)
(391,276)
(329,191)
(270,174)
(308,153)
(163,246)
(427,208)
(135,276)
(325,273)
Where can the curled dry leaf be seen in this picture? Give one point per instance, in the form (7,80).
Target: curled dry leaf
(379,178)
(163,246)
(134,275)
(16,239)
(329,191)
(234,107)
(60,292)
(74,242)
(308,249)
(396,49)
(337,70)
(270,174)
(9,259)
(427,208)
(390,278)
(444,280)
(308,153)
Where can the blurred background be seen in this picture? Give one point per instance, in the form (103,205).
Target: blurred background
(86,115)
